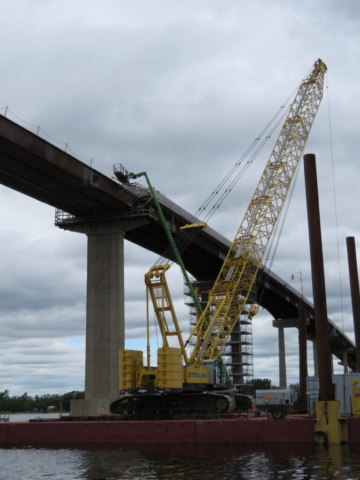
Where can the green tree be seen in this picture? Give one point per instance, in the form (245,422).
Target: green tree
(4,400)
(295,386)
(26,403)
(260,383)
(4,395)
(67,397)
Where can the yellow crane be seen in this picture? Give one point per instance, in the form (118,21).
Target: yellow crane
(195,383)
(230,293)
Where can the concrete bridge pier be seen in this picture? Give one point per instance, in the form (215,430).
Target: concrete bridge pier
(315,357)
(281,324)
(105,317)
(345,362)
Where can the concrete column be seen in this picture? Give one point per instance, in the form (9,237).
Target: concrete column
(281,324)
(105,329)
(302,403)
(105,325)
(282,358)
(345,362)
(316,366)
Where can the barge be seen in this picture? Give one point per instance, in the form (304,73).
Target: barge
(241,430)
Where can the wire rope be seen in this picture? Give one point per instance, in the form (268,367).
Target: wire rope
(183,240)
(335,203)
(275,239)
(27,123)
(280,225)
(40,130)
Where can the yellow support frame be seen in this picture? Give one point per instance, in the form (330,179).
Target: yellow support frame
(158,290)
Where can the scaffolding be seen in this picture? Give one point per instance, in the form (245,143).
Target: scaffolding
(139,198)
(238,352)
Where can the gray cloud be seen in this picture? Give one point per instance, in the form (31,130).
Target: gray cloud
(180,92)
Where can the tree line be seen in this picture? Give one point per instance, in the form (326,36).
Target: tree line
(265,384)
(27,403)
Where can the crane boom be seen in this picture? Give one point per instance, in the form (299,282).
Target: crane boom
(230,293)
(171,239)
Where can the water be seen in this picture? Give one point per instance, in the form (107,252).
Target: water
(181,462)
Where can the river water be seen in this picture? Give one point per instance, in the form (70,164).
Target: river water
(181,462)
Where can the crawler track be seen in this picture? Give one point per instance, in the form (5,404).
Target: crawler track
(181,403)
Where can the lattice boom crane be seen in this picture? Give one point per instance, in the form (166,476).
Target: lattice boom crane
(197,383)
(230,293)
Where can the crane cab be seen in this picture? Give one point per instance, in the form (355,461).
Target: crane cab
(216,374)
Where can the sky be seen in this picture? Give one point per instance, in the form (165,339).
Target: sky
(179,89)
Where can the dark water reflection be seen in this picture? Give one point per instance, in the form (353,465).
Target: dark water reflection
(186,462)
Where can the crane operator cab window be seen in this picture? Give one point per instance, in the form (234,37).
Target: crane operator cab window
(216,372)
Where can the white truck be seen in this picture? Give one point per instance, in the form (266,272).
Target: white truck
(276,401)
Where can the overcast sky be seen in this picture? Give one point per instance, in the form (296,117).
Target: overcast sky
(179,89)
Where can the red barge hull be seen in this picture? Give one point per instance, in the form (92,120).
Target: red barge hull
(260,431)
(166,431)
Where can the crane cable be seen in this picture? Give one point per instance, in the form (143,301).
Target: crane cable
(283,217)
(185,238)
(275,239)
(335,204)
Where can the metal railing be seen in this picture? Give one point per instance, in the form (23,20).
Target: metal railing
(4,416)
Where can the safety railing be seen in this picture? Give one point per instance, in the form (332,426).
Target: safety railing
(4,416)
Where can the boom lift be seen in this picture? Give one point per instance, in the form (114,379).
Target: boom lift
(155,272)
(195,383)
